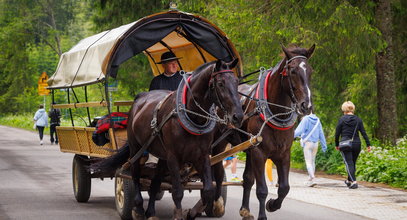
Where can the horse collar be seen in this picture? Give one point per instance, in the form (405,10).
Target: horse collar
(264,109)
(183,119)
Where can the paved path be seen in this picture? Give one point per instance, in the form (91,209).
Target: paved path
(369,201)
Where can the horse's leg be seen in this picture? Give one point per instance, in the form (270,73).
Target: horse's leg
(219,174)
(283,168)
(177,189)
(154,189)
(248,181)
(258,162)
(138,210)
(203,167)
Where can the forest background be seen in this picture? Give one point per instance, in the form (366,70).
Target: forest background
(361,51)
(33,34)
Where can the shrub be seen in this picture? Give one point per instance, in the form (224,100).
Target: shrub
(384,164)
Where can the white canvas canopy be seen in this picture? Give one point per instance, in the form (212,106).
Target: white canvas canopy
(191,37)
(83,63)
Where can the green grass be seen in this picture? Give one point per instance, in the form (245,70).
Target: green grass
(25,121)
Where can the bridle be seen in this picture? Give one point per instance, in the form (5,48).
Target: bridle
(214,89)
(211,115)
(285,73)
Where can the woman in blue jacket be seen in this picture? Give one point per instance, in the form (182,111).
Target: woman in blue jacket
(310,131)
(41,121)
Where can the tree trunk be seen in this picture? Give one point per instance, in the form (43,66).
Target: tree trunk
(386,88)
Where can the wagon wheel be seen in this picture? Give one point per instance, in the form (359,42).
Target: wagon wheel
(81,178)
(124,195)
(209,208)
(159,195)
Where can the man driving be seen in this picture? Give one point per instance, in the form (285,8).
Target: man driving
(169,80)
(171,77)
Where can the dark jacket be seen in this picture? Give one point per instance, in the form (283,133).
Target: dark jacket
(166,82)
(54,116)
(346,128)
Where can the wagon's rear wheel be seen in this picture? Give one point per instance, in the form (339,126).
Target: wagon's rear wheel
(124,195)
(81,178)
(209,208)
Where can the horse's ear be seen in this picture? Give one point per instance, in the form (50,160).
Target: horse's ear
(218,64)
(310,51)
(286,52)
(233,63)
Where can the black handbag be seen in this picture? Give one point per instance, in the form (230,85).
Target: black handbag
(346,145)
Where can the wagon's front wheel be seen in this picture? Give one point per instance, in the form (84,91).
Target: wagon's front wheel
(124,195)
(81,178)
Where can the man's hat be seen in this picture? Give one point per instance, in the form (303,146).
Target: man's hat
(168,56)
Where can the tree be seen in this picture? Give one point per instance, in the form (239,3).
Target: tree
(27,30)
(386,88)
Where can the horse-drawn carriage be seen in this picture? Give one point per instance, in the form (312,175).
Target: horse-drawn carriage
(96,60)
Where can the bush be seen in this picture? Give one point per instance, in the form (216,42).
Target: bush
(384,164)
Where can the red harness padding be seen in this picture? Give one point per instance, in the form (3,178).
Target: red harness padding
(284,73)
(184,102)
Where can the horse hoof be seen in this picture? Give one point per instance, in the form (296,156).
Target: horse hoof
(245,213)
(137,216)
(178,214)
(186,214)
(218,207)
(251,217)
(271,206)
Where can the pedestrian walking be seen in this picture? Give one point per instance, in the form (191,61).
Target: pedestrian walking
(41,121)
(55,120)
(348,128)
(310,131)
(233,162)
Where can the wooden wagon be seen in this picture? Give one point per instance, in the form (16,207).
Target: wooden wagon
(96,60)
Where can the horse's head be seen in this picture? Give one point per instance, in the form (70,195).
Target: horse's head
(223,89)
(298,72)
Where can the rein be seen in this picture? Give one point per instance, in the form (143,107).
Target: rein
(263,105)
(210,116)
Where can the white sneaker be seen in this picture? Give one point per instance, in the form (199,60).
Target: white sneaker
(310,183)
(41,143)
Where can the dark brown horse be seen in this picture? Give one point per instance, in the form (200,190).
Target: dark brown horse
(272,108)
(178,143)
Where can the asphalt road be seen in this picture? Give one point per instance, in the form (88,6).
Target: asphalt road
(35,183)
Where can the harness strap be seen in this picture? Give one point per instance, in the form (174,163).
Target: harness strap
(156,129)
(224,135)
(146,144)
(157,108)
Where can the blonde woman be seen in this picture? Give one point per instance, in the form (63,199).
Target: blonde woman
(349,126)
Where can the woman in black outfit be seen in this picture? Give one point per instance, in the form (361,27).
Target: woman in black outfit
(346,129)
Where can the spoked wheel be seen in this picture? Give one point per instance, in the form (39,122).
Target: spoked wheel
(209,208)
(124,195)
(81,178)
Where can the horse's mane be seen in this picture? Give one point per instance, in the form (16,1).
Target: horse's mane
(202,67)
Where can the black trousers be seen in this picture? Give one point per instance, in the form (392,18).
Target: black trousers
(349,158)
(52,131)
(41,132)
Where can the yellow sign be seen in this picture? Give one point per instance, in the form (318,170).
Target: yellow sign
(42,84)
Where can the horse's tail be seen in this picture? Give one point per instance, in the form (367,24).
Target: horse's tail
(112,163)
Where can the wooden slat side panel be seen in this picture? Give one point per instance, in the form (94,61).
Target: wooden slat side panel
(67,140)
(98,150)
